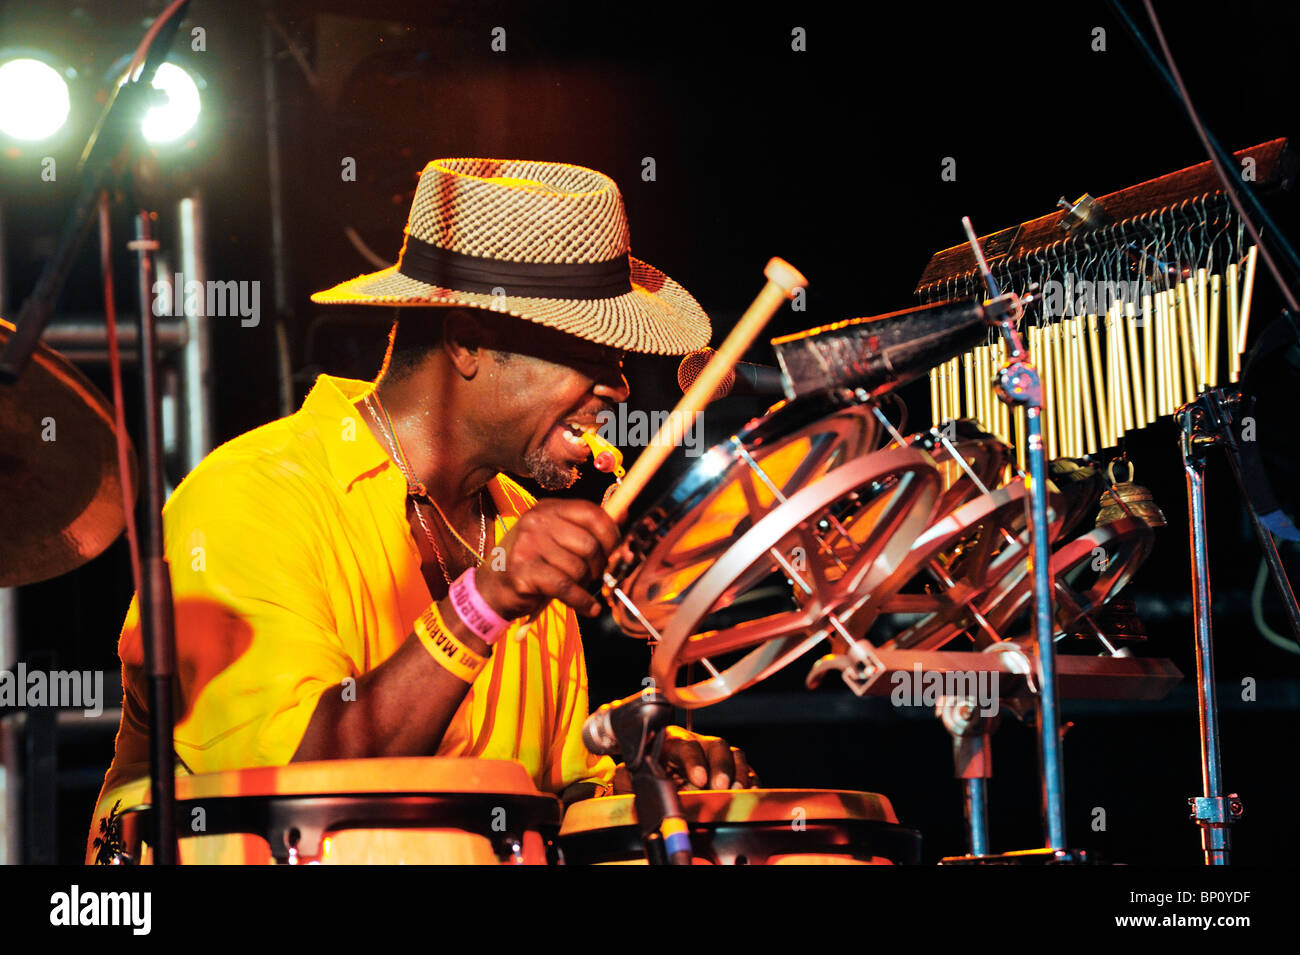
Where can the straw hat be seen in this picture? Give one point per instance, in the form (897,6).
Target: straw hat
(546,242)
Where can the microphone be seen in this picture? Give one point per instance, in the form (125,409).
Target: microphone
(600,731)
(761,381)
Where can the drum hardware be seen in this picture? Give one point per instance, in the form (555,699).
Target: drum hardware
(1207,422)
(972,762)
(1082,676)
(751,827)
(1026,857)
(972,536)
(1079,485)
(635,728)
(1082,215)
(1118,620)
(1019,385)
(296,829)
(891,491)
(1081,586)
(413,810)
(1176,251)
(727,490)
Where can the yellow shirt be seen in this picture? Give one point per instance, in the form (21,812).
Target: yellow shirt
(293,568)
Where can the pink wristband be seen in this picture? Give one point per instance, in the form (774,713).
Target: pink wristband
(484,622)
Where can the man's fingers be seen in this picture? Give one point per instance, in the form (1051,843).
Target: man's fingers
(553,583)
(690,756)
(745,777)
(588,516)
(582,544)
(722,765)
(573,566)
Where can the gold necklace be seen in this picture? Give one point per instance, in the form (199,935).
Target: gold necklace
(417,490)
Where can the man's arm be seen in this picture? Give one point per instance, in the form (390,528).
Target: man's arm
(404,706)
(401,708)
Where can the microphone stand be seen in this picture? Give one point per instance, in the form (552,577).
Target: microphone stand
(104,160)
(639,724)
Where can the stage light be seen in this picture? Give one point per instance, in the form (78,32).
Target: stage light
(34,101)
(170,121)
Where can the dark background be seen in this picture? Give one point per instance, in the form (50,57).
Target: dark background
(830,158)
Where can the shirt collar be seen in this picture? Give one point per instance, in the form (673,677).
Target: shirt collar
(353,451)
(350,446)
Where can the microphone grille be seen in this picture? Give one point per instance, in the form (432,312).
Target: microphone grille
(694,363)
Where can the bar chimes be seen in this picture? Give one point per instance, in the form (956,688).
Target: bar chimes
(1162,316)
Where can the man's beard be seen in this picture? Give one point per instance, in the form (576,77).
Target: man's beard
(547,472)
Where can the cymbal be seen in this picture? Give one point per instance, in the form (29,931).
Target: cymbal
(61,503)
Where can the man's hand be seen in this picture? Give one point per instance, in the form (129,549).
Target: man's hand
(553,552)
(698,762)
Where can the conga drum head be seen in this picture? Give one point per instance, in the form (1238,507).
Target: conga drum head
(750,827)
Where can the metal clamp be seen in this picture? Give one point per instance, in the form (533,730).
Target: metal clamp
(1216,810)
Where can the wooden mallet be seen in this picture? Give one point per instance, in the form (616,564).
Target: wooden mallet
(783,280)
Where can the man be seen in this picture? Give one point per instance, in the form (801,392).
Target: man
(351,581)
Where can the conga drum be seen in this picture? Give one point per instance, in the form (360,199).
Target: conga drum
(402,811)
(750,827)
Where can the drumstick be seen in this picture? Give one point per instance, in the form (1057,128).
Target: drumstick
(782,281)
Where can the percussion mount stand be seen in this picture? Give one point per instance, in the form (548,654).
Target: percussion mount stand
(1019,385)
(638,723)
(1204,423)
(973,762)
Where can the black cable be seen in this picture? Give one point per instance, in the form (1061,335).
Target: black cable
(1219,157)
